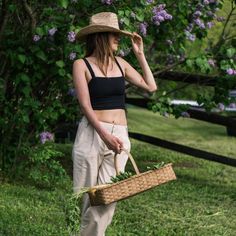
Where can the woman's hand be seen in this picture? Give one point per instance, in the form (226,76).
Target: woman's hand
(137,44)
(113,143)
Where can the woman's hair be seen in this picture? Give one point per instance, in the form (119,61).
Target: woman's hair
(98,44)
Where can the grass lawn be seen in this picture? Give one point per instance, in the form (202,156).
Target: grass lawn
(201,202)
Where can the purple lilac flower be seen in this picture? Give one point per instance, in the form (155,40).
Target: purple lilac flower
(143,28)
(36,38)
(149,1)
(72,56)
(170,59)
(189,27)
(210,24)
(124,52)
(196,14)
(108,2)
(221,106)
(182,57)
(121,53)
(160,14)
(72,92)
(211,62)
(52,31)
(199,6)
(232,105)
(71,36)
(230,71)
(122,20)
(220,18)
(169,42)
(133,15)
(190,36)
(159,8)
(205,2)
(210,14)
(185,114)
(199,23)
(45,136)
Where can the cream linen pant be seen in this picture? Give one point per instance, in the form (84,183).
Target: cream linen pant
(93,164)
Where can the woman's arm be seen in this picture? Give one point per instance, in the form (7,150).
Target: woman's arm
(81,87)
(147,81)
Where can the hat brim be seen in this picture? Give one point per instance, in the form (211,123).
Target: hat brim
(92,29)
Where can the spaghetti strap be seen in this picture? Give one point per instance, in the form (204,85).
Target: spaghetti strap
(119,67)
(89,67)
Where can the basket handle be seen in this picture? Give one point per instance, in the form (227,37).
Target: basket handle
(130,158)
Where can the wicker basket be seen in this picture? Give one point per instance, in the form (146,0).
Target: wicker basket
(108,193)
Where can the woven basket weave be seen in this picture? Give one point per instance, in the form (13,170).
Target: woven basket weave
(108,193)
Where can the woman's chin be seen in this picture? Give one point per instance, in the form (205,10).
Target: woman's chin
(114,48)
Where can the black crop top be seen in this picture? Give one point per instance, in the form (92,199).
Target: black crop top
(106,92)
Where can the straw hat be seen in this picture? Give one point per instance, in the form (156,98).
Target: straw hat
(101,22)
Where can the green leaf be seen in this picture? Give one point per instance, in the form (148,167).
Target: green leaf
(140,17)
(21,58)
(230,52)
(22,77)
(63,3)
(61,72)
(40,54)
(224,65)
(60,63)
(127,13)
(54,115)
(39,31)
(189,63)
(121,13)
(126,21)
(69,76)
(62,110)
(25,118)
(12,7)
(26,91)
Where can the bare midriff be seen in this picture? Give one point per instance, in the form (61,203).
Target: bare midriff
(116,116)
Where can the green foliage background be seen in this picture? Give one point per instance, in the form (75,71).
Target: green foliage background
(35,76)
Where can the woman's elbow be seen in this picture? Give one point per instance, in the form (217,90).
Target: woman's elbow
(85,107)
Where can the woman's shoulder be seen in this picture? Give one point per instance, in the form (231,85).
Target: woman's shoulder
(121,60)
(79,62)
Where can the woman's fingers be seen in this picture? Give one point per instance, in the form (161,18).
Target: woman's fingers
(118,145)
(137,36)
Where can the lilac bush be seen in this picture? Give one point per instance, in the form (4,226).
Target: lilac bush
(108,2)
(72,56)
(160,14)
(38,53)
(52,31)
(36,38)
(71,36)
(46,136)
(231,71)
(143,28)
(72,92)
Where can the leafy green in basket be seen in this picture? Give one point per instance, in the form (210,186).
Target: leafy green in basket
(121,176)
(156,166)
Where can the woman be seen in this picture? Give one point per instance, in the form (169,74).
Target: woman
(99,80)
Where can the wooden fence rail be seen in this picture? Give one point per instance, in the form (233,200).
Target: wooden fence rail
(195,113)
(184,149)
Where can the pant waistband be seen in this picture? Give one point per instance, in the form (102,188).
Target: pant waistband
(106,124)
